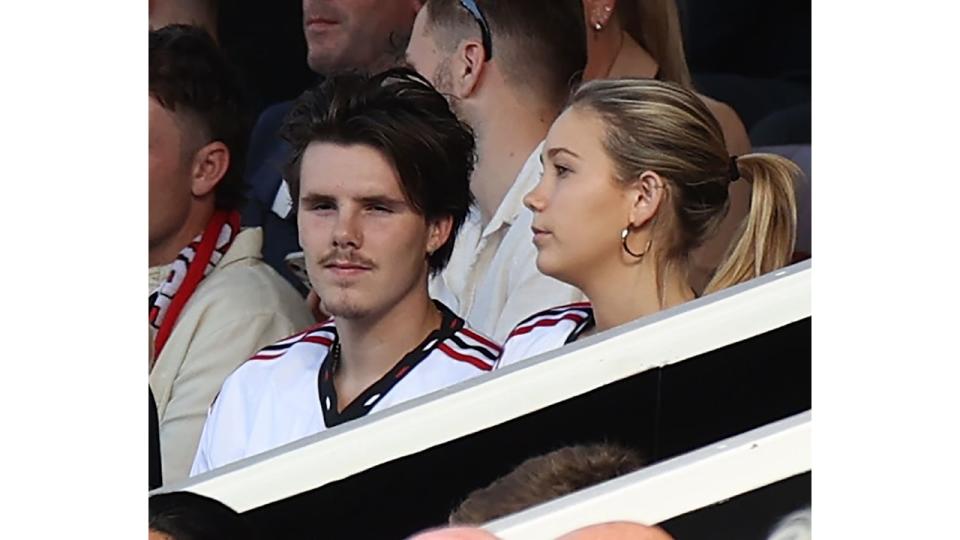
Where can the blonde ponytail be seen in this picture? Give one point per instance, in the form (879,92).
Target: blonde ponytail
(766,239)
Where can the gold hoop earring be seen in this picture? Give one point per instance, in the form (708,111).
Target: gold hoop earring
(623,241)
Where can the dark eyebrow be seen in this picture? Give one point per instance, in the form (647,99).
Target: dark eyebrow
(311,199)
(382,200)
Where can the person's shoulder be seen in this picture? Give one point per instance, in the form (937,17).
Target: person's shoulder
(272,117)
(734,132)
(250,285)
(575,312)
(265,136)
(468,347)
(317,338)
(543,331)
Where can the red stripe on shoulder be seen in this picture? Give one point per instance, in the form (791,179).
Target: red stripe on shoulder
(485,340)
(319,325)
(320,340)
(476,362)
(544,323)
(307,330)
(303,337)
(575,305)
(267,356)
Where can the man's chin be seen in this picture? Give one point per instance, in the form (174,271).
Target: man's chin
(344,309)
(325,61)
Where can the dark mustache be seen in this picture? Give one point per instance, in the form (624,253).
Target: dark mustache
(349,257)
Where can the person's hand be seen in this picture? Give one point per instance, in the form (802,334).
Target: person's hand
(313,302)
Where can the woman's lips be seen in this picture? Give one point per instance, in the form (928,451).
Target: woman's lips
(539,235)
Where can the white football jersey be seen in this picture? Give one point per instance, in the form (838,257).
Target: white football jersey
(285,392)
(546,331)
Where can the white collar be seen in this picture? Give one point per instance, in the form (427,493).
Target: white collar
(512,203)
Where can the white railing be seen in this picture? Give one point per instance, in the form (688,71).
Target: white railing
(709,475)
(697,327)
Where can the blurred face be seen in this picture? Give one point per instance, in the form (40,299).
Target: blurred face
(365,246)
(170,178)
(157,535)
(368,35)
(618,531)
(424,55)
(579,209)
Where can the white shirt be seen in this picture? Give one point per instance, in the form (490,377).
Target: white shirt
(546,331)
(285,392)
(492,279)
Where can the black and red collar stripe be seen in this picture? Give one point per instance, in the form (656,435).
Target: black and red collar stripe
(581,327)
(367,399)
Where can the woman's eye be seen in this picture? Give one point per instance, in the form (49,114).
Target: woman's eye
(561,170)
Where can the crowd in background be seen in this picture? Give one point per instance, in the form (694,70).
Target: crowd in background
(462,185)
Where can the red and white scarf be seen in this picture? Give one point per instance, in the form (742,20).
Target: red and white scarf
(194,263)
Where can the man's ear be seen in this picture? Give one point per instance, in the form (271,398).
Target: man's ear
(438,232)
(466,68)
(210,163)
(648,192)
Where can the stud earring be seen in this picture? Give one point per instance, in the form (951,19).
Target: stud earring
(597,26)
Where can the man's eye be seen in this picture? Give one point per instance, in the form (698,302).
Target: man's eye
(380,209)
(322,206)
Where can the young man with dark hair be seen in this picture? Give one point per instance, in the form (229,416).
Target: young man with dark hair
(380,173)
(213,302)
(507,67)
(366,36)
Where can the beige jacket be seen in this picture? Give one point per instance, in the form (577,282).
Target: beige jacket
(242,306)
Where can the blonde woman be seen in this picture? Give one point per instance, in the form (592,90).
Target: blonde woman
(636,177)
(643,39)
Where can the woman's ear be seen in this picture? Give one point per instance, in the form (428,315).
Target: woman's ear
(647,193)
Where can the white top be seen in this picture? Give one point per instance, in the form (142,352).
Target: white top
(492,279)
(285,392)
(545,331)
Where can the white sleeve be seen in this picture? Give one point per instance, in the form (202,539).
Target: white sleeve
(201,462)
(514,350)
(226,431)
